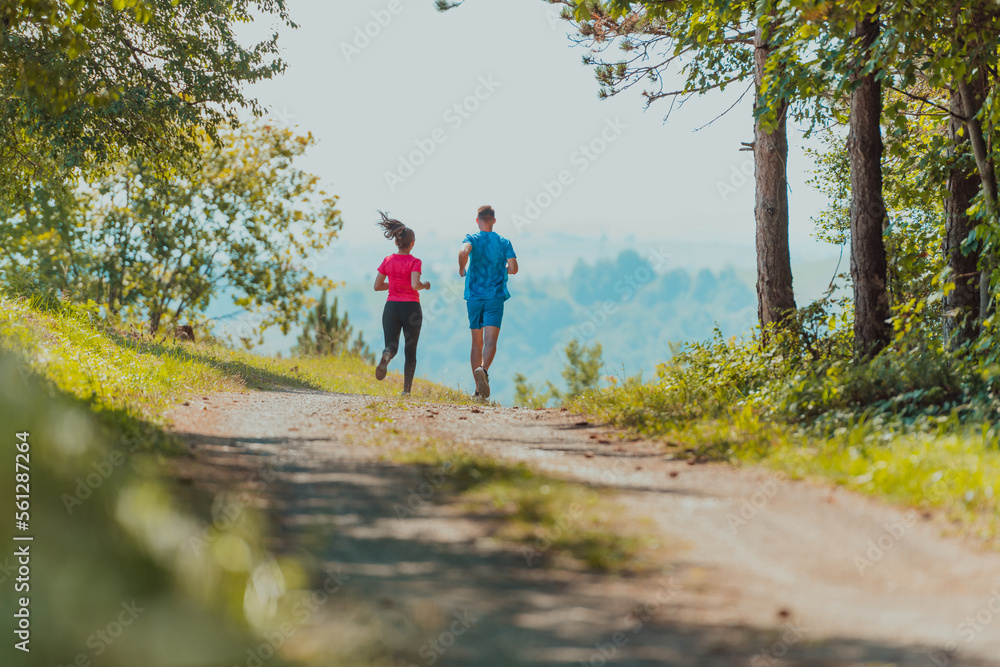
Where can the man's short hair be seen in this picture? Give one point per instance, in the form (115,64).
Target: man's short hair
(487,213)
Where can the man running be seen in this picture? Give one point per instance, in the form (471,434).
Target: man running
(492,260)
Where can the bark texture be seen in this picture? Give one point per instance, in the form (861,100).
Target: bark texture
(775,298)
(868,215)
(962,304)
(972,95)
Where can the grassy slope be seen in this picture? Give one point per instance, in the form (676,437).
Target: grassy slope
(141,378)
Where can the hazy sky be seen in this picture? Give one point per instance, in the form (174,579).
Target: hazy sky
(430,115)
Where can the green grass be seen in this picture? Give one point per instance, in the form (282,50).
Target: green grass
(940,465)
(955,473)
(555,521)
(141,378)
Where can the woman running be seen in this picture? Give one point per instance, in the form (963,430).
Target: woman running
(402,309)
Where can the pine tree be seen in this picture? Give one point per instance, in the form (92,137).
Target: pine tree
(326,334)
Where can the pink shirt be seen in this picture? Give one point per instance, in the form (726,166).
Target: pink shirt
(399,269)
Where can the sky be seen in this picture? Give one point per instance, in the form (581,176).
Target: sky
(429,115)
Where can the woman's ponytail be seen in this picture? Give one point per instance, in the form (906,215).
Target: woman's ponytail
(394,229)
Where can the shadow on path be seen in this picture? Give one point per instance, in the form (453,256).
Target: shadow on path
(453,595)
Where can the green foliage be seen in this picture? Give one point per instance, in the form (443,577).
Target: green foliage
(583,367)
(705,380)
(325,333)
(582,372)
(527,395)
(806,375)
(85,85)
(913,188)
(40,257)
(144,247)
(709,42)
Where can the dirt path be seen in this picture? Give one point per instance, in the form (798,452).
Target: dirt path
(763,571)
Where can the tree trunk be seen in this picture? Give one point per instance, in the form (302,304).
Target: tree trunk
(864,148)
(961,305)
(972,99)
(775,298)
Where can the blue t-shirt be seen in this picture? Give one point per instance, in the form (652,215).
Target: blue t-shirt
(486,275)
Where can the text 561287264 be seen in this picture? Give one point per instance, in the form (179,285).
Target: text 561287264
(22,548)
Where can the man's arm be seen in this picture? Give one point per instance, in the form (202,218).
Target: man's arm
(463,258)
(511,258)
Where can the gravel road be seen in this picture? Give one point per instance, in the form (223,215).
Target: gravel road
(761,570)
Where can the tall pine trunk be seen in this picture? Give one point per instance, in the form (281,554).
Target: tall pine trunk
(868,214)
(961,305)
(775,298)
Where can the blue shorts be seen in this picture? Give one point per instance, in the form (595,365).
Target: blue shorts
(485,313)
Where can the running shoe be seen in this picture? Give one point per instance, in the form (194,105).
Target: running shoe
(383,365)
(482,382)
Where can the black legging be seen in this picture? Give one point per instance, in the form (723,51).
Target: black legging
(407,317)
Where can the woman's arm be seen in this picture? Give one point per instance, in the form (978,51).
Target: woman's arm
(415,281)
(380,284)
